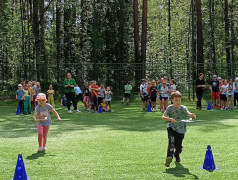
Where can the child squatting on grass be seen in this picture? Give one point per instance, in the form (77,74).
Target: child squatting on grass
(42,116)
(176,128)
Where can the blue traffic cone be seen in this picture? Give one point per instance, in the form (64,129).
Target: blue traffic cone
(209,163)
(20,172)
(149,107)
(209,107)
(100,109)
(18,110)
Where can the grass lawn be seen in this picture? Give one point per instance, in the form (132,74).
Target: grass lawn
(124,144)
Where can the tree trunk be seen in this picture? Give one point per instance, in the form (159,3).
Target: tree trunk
(211,17)
(36,33)
(121,31)
(169,40)
(1,7)
(60,39)
(200,55)
(67,24)
(136,43)
(232,39)
(143,36)
(227,37)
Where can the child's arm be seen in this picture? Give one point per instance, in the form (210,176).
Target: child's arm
(56,114)
(35,115)
(61,102)
(111,92)
(191,115)
(24,95)
(166,118)
(16,96)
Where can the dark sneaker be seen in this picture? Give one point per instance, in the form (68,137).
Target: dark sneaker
(178,158)
(168,161)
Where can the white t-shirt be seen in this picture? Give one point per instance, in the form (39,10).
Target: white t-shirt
(164,91)
(173,87)
(143,88)
(224,88)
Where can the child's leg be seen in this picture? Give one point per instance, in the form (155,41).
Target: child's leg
(171,143)
(40,134)
(163,104)
(29,104)
(68,100)
(178,144)
(231,102)
(166,104)
(45,132)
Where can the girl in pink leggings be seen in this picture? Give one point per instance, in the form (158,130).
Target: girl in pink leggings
(42,116)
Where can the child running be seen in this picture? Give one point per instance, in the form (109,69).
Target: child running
(42,116)
(176,128)
(164,96)
(50,94)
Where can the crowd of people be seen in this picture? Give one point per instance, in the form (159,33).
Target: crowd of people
(151,91)
(224,92)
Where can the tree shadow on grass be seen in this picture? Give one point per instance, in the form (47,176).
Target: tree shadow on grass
(123,118)
(180,171)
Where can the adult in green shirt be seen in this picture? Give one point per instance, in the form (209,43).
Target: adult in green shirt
(69,84)
(127,94)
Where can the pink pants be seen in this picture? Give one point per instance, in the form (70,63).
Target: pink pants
(86,101)
(42,134)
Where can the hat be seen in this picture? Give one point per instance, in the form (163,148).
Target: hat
(19,85)
(41,96)
(219,78)
(214,76)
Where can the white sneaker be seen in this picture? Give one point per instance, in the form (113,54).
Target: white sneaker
(234,107)
(69,111)
(40,149)
(77,111)
(155,110)
(44,149)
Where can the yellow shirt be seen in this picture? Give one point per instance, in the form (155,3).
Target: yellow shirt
(104,105)
(50,92)
(30,90)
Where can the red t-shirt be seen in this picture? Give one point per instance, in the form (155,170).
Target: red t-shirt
(94,90)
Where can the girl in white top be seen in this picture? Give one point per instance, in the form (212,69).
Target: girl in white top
(223,95)
(164,96)
(230,94)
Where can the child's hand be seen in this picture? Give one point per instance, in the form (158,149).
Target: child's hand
(36,120)
(173,120)
(59,119)
(192,115)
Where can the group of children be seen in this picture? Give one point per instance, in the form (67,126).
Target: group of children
(94,96)
(224,93)
(151,91)
(26,96)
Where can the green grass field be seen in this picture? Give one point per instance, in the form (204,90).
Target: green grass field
(124,144)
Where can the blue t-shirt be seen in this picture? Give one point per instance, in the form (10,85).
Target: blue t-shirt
(46,112)
(178,114)
(235,87)
(77,90)
(215,86)
(19,94)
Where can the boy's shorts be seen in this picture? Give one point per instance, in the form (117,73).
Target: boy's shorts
(94,101)
(153,98)
(230,96)
(215,95)
(146,98)
(223,97)
(165,98)
(127,95)
(108,103)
